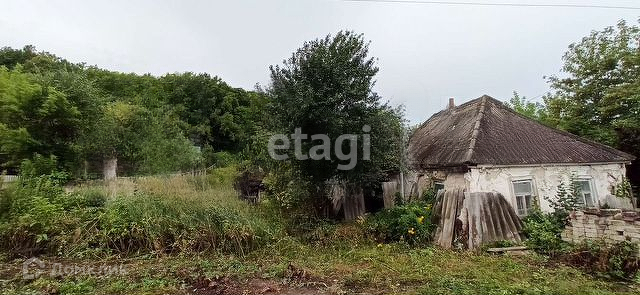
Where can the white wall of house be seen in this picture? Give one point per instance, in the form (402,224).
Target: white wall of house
(545,179)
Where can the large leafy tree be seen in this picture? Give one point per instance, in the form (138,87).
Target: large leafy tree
(83,115)
(146,142)
(326,87)
(34,117)
(598,95)
(219,117)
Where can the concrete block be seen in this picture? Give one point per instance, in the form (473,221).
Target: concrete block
(633,235)
(618,222)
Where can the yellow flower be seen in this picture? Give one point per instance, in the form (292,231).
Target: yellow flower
(420,219)
(411,231)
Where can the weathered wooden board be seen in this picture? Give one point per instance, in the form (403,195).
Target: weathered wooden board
(348,198)
(389,190)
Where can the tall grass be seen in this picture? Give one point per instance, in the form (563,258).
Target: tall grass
(133,216)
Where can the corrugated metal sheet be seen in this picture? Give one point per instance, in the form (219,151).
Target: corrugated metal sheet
(475,219)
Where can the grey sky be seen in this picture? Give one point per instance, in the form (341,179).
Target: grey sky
(426,52)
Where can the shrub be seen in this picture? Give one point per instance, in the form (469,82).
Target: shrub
(288,191)
(39,165)
(543,232)
(32,212)
(410,223)
(429,195)
(619,260)
(91,198)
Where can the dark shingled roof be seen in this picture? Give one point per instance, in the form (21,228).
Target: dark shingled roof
(485,131)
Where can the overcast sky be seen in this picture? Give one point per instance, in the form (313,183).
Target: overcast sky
(426,52)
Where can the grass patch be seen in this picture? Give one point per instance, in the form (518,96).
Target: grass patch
(132,217)
(181,234)
(338,268)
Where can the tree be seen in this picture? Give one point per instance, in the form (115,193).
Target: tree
(84,115)
(35,117)
(527,108)
(219,117)
(599,98)
(149,142)
(325,87)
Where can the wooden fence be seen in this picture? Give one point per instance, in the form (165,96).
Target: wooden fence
(9,178)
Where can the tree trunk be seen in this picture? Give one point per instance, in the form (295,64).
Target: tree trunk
(109,168)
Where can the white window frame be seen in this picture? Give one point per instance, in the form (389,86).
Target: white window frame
(592,191)
(533,196)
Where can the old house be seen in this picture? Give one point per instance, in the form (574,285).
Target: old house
(484,146)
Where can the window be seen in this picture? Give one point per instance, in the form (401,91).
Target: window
(523,190)
(438,185)
(585,195)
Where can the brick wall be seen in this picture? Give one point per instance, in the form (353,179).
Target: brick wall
(610,225)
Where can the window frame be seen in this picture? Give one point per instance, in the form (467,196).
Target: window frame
(437,183)
(533,195)
(592,191)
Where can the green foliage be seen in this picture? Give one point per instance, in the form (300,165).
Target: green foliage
(217,115)
(325,87)
(597,97)
(543,233)
(543,229)
(83,115)
(619,260)
(623,189)
(429,196)
(38,166)
(31,213)
(529,109)
(565,201)
(162,215)
(150,142)
(218,159)
(287,190)
(150,223)
(410,223)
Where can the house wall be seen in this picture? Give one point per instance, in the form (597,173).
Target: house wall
(604,177)
(456,180)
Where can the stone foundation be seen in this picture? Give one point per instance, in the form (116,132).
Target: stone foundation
(609,225)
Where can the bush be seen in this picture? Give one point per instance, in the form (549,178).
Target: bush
(410,223)
(32,213)
(218,159)
(286,190)
(543,232)
(40,165)
(92,197)
(618,260)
